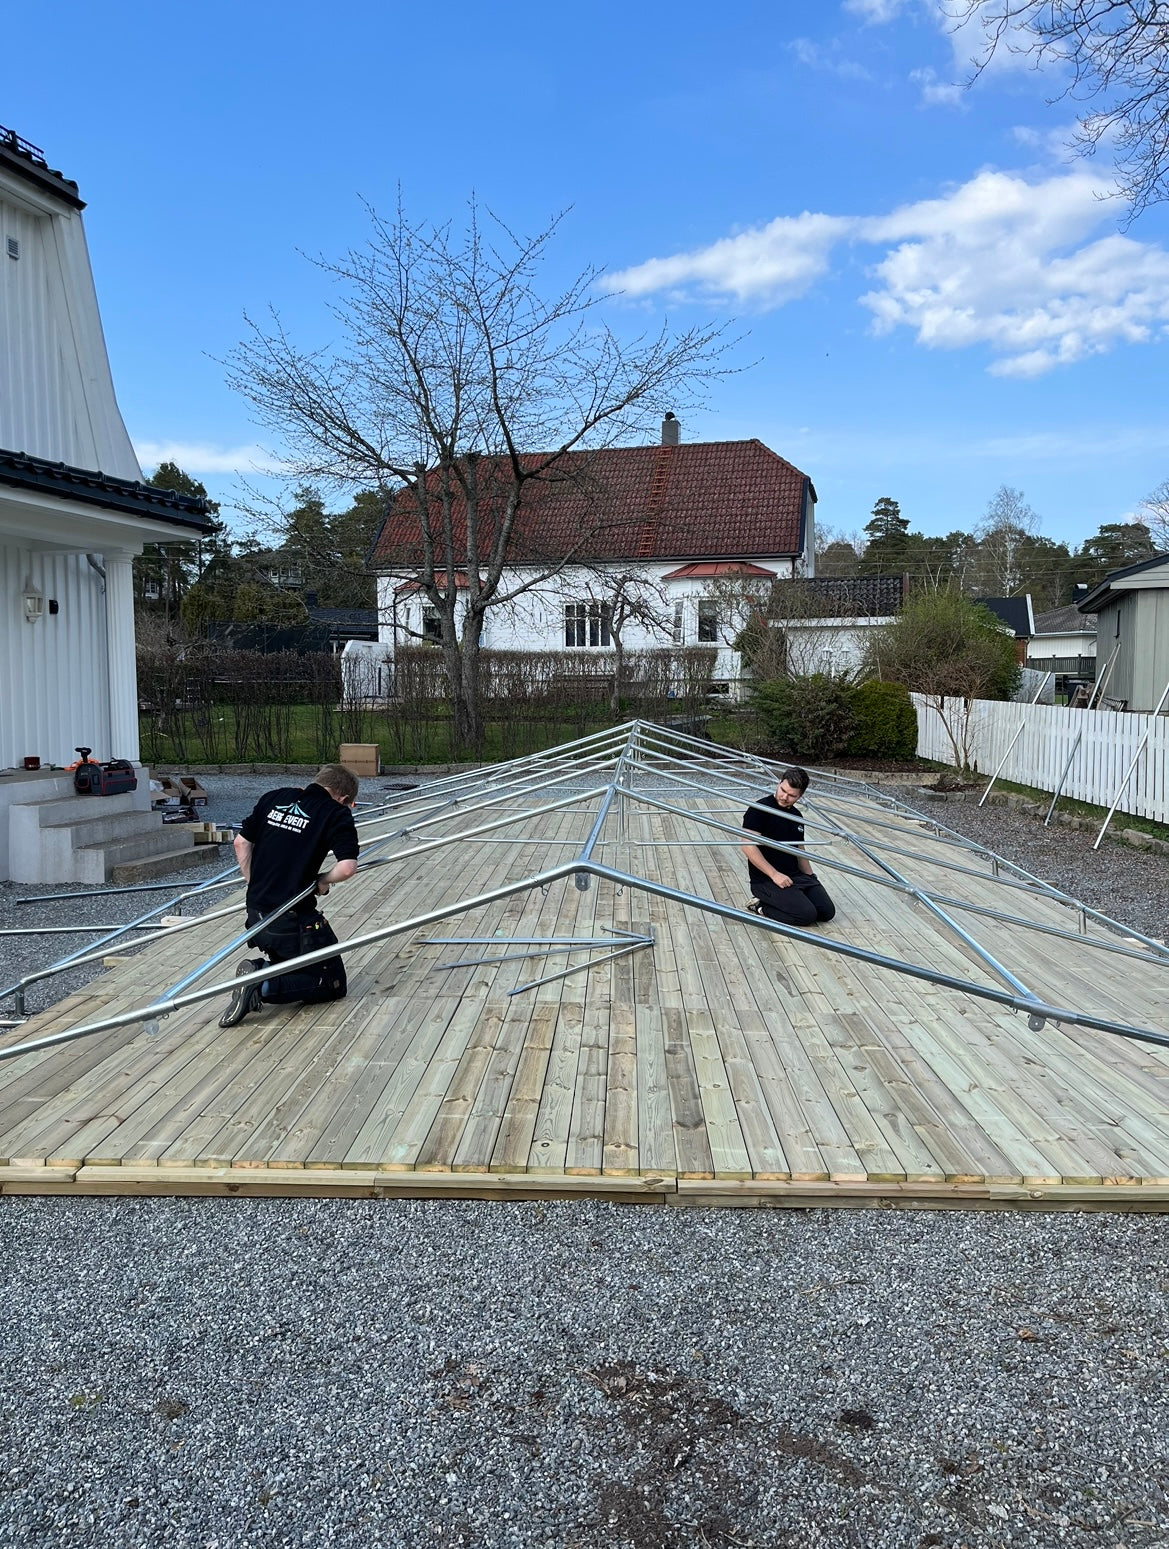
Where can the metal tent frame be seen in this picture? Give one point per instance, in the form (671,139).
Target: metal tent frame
(646,768)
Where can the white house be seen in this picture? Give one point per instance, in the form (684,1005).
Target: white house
(73,514)
(680,537)
(1064,641)
(827,622)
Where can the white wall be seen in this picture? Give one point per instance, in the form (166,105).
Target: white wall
(1080,643)
(54,681)
(534,620)
(56,393)
(832,646)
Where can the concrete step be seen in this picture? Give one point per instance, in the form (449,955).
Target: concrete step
(100,826)
(94,862)
(142,871)
(59,810)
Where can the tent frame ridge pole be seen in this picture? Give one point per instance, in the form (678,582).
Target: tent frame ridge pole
(565,869)
(1014,739)
(74,957)
(987,958)
(1025,884)
(418,849)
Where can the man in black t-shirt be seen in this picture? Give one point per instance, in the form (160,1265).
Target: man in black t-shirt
(784,884)
(280,848)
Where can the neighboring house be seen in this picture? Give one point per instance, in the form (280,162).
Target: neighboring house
(73,510)
(324,630)
(340,625)
(1132,625)
(827,621)
(693,535)
(1064,642)
(1016,616)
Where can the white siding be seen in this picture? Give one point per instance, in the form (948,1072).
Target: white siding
(56,394)
(54,683)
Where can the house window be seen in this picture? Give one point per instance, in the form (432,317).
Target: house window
(707,623)
(679,623)
(431,623)
(586,624)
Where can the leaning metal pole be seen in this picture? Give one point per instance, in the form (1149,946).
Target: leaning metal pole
(1014,739)
(1102,682)
(1066,771)
(1122,787)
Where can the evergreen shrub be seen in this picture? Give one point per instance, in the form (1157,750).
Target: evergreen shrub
(884,722)
(807,717)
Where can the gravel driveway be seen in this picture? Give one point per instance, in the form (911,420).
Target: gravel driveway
(206,1374)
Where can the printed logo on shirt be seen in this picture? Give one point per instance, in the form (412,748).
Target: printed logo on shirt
(292,818)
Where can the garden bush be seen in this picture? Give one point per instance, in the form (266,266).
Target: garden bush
(884,722)
(808,717)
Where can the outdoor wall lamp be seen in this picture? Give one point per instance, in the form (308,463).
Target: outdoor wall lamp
(34,603)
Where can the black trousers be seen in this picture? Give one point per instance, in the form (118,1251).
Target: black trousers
(806,902)
(291,937)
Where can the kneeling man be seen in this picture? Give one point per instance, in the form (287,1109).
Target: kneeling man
(784,885)
(280,848)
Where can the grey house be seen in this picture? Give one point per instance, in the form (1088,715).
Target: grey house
(1132,609)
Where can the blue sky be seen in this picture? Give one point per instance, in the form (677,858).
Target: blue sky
(938,300)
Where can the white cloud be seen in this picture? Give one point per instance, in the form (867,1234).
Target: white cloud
(814,56)
(969,38)
(770,264)
(995,263)
(876,12)
(1050,144)
(936,92)
(998,262)
(196,457)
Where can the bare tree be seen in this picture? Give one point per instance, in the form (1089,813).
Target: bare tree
(1117,53)
(626,596)
(465,394)
(1003,533)
(1154,510)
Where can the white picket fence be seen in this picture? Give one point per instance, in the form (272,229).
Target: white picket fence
(1108,742)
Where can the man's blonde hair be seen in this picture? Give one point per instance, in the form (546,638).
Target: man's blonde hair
(339,781)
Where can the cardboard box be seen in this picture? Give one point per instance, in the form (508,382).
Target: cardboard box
(362,757)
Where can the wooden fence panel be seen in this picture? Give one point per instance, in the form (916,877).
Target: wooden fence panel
(1109,740)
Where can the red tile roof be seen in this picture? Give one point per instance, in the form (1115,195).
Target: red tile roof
(700,500)
(439,581)
(706,568)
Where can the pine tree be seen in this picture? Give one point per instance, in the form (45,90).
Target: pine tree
(888,532)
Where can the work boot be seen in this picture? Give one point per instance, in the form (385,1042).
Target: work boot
(245,997)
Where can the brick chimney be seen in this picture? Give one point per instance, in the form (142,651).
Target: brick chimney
(671,430)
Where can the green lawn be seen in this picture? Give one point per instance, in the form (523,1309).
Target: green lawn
(304,734)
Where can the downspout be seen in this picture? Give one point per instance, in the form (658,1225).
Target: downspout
(96,564)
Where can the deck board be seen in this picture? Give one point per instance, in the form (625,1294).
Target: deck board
(724,1064)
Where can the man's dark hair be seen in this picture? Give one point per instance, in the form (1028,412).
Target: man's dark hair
(794,776)
(340,781)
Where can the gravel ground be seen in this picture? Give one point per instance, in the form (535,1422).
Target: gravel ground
(206,1374)
(1128,885)
(218,1373)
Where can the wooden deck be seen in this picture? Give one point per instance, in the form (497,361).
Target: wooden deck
(726,1065)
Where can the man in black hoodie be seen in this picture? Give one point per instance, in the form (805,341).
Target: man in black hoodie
(280,848)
